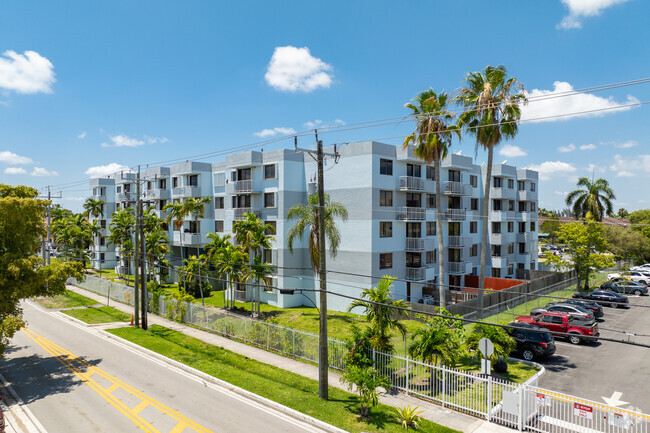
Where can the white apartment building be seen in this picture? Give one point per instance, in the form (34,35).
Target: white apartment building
(391,230)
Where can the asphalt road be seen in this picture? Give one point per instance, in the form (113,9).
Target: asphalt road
(76,381)
(594,371)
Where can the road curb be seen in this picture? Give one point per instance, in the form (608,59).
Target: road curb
(18,417)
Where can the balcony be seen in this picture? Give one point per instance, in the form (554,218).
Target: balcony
(456,188)
(126,196)
(502,215)
(242,211)
(158,194)
(455,214)
(498,193)
(416,274)
(411,213)
(187,238)
(186,191)
(409,183)
(457,241)
(414,244)
(524,237)
(500,261)
(459,268)
(99,196)
(243,186)
(525,195)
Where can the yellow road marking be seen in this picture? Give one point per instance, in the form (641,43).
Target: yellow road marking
(75,364)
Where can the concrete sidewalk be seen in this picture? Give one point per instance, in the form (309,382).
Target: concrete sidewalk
(433,412)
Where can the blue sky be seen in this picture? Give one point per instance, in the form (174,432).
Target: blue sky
(94,86)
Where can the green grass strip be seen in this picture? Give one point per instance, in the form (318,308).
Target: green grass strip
(98,315)
(282,386)
(66,300)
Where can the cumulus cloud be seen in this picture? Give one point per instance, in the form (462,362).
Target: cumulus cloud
(315,123)
(40,171)
(626,144)
(339,122)
(570,148)
(26,73)
(274,131)
(105,170)
(579,9)
(511,151)
(156,140)
(551,104)
(596,168)
(548,169)
(293,69)
(11,158)
(628,167)
(82,135)
(15,170)
(122,140)
(588,147)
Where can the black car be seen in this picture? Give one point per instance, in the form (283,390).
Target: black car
(625,287)
(604,297)
(531,344)
(596,309)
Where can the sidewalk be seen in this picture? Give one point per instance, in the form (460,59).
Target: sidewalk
(433,412)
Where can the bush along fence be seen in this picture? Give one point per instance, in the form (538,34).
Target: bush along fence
(524,407)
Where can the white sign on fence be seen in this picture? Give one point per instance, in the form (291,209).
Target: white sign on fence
(618,420)
(583,411)
(540,399)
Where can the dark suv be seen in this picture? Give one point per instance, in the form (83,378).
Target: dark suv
(531,344)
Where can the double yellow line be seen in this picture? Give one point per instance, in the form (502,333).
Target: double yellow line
(85,371)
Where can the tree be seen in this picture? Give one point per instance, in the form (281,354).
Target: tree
(503,343)
(640,220)
(177,211)
(365,380)
(307,217)
(439,342)
(121,232)
(379,313)
(491,113)
(622,213)
(628,244)
(433,135)
(593,201)
(195,208)
(93,207)
(231,262)
(74,234)
(543,212)
(22,273)
(551,226)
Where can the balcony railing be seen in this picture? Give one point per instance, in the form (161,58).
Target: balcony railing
(187,238)
(524,237)
(457,241)
(240,212)
(455,214)
(416,274)
(411,213)
(99,197)
(456,188)
(410,183)
(414,244)
(158,194)
(243,186)
(525,195)
(502,215)
(187,191)
(457,268)
(126,196)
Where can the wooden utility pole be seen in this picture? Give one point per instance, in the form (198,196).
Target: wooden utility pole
(143,259)
(136,255)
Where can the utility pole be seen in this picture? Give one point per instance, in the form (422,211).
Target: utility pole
(46,252)
(143,261)
(136,255)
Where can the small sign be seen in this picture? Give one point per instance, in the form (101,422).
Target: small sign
(540,399)
(486,347)
(618,420)
(583,411)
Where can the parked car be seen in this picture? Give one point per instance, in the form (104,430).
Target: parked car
(596,309)
(578,312)
(645,268)
(638,276)
(625,287)
(604,297)
(531,342)
(562,324)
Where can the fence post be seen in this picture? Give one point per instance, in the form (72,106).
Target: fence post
(374,358)
(293,343)
(520,422)
(489,398)
(444,386)
(245,331)
(268,335)
(407,375)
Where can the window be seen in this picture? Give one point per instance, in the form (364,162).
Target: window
(496,182)
(102,257)
(195,227)
(431,173)
(473,252)
(149,185)
(269,199)
(174,182)
(473,227)
(118,189)
(413,170)
(413,230)
(272,229)
(102,224)
(496,205)
(385,198)
(162,183)
(269,171)
(473,180)
(431,228)
(474,204)
(162,204)
(474,271)
(511,183)
(522,206)
(386,167)
(193,180)
(454,229)
(431,201)
(102,241)
(496,227)
(385,261)
(218,226)
(127,187)
(532,226)
(496,273)
(522,248)
(532,206)
(511,227)
(522,227)
(413,260)
(413,199)
(219,202)
(511,205)
(431,257)
(268,256)
(521,185)
(219,178)
(511,248)
(385,229)
(510,269)
(532,186)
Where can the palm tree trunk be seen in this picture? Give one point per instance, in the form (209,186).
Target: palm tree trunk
(441,253)
(484,233)
(198,253)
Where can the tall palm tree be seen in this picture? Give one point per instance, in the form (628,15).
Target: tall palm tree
(177,211)
(380,314)
(95,208)
(307,217)
(195,208)
(491,103)
(260,273)
(121,231)
(157,246)
(593,201)
(432,136)
(230,262)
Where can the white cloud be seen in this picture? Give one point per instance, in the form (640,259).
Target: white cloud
(339,122)
(26,73)
(122,140)
(548,169)
(293,69)
(315,123)
(627,144)
(511,151)
(105,170)
(156,140)
(40,171)
(555,106)
(82,135)
(628,167)
(579,9)
(570,148)
(274,131)
(15,170)
(11,158)
(596,168)
(588,147)
(562,193)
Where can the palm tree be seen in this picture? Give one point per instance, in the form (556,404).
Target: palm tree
(433,135)
(195,207)
(308,219)
(177,211)
(491,102)
(379,313)
(259,272)
(95,208)
(593,201)
(157,245)
(121,231)
(230,262)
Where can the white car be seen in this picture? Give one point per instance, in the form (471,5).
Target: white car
(639,277)
(643,268)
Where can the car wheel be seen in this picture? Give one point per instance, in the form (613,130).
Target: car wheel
(528,354)
(637,292)
(574,339)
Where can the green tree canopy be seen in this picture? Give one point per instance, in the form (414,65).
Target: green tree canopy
(628,244)
(592,201)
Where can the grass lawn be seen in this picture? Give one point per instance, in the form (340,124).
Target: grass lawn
(68,299)
(285,387)
(98,315)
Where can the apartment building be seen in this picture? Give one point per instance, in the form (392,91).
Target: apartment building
(391,230)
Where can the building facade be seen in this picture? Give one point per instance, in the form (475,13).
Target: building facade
(391,230)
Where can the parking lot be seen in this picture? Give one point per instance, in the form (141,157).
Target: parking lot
(597,370)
